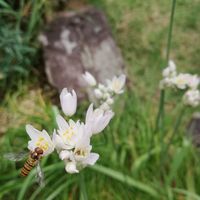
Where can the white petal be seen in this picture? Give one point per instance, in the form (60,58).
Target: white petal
(89,113)
(74,97)
(122,79)
(32,132)
(92,158)
(46,135)
(87,129)
(98,93)
(72,123)
(172,65)
(31,145)
(63,93)
(70,167)
(68,102)
(84,142)
(64,154)
(103,122)
(110,101)
(58,142)
(89,78)
(62,124)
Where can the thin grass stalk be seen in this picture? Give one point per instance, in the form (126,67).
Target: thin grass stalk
(178,122)
(83,192)
(175,130)
(160,116)
(159,126)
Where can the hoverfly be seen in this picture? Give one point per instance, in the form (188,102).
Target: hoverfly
(33,160)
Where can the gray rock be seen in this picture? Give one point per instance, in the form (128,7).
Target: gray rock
(78,41)
(194,129)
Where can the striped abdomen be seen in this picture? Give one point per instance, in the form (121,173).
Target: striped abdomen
(29,164)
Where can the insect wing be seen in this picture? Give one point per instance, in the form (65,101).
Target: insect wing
(40,175)
(15,156)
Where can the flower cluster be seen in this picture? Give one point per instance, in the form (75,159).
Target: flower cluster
(105,93)
(182,81)
(72,139)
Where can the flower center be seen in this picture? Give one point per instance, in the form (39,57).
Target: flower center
(69,133)
(42,144)
(80,152)
(181,81)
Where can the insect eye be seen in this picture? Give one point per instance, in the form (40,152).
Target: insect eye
(38,150)
(34,155)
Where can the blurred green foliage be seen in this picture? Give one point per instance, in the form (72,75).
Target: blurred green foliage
(16,50)
(20,22)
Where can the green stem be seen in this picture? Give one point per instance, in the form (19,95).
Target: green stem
(160,115)
(170,29)
(175,130)
(83,192)
(177,125)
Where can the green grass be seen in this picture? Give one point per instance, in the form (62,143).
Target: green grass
(135,162)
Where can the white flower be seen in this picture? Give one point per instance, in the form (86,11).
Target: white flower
(166,82)
(181,81)
(168,74)
(170,70)
(80,157)
(39,139)
(82,153)
(98,119)
(98,93)
(68,102)
(89,78)
(68,133)
(117,84)
(192,98)
(193,81)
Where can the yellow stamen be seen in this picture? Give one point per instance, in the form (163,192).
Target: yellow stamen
(42,144)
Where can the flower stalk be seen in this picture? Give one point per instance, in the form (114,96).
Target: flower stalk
(160,115)
(175,130)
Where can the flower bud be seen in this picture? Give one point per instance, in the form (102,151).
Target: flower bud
(98,93)
(68,102)
(89,78)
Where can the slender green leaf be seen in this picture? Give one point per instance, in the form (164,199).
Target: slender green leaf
(126,180)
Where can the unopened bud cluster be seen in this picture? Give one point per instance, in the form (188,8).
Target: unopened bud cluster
(105,93)
(183,81)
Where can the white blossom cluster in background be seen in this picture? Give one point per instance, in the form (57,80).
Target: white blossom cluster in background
(105,93)
(183,81)
(72,139)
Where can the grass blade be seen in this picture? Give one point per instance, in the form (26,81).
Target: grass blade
(186,193)
(126,180)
